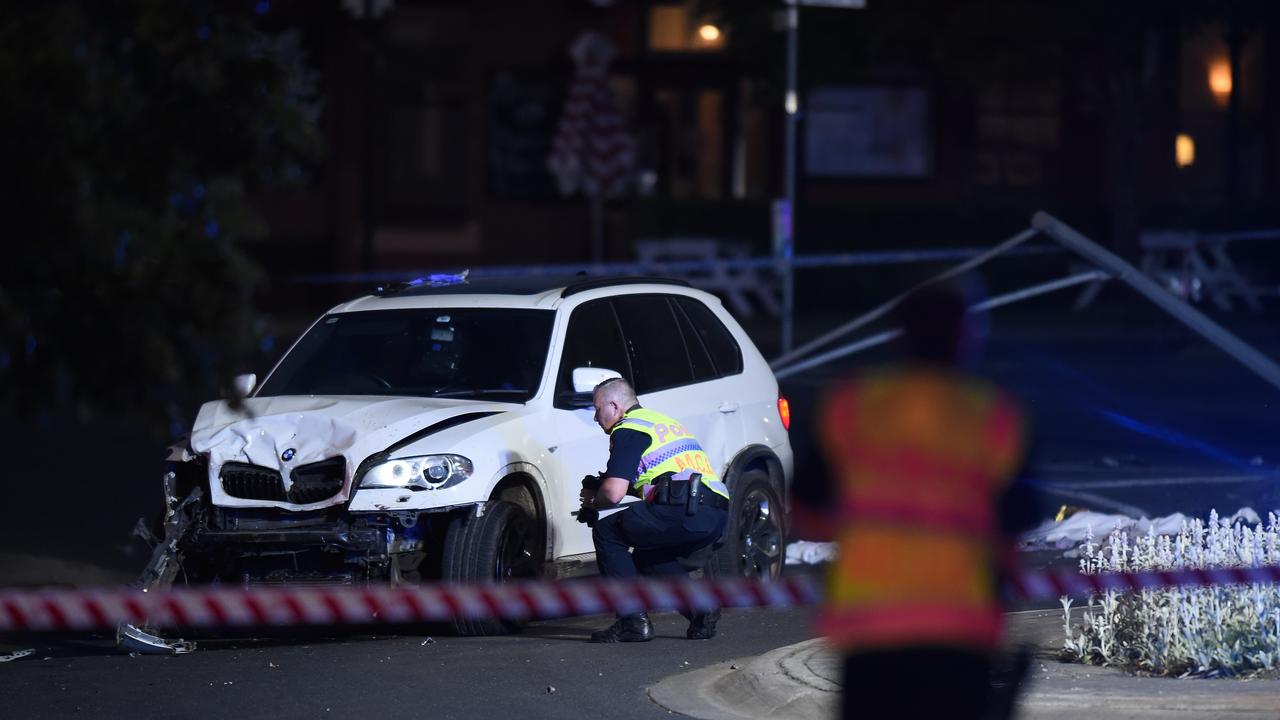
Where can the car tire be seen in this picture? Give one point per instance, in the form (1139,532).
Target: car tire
(497,546)
(754,545)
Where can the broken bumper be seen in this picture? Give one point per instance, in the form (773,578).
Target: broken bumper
(336,537)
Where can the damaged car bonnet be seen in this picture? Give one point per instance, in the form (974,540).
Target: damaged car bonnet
(302,452)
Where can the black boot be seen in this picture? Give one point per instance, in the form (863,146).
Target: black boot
(633,628)
(702,625)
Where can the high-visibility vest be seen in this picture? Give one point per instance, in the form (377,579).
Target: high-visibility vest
(919,458)
(672,448)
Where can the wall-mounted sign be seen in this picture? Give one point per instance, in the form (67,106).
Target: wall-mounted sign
(867,131)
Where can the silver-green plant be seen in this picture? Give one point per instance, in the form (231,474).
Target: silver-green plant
(1181,631)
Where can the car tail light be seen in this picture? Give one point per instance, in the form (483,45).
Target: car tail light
(784,412)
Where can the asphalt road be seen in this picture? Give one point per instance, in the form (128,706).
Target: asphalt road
(547,671)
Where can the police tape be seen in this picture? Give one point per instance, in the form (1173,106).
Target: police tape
(62,609)
(1050,584)
(219,606)
(680,267)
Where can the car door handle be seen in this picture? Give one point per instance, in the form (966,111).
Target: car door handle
(728,407)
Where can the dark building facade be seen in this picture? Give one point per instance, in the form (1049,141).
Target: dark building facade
(923,123)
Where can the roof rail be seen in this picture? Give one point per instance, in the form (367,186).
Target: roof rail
(601,282)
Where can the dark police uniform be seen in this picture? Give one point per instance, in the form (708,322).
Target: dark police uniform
(660,458)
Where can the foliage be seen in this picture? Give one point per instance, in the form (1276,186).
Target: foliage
(1218,630)
(136,131)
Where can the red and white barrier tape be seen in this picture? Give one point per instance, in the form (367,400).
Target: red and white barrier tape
(1050,584)
(213,606)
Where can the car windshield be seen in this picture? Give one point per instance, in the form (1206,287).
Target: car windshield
(490,353)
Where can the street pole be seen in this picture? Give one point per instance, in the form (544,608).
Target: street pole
(785,211)
(786,246)
(366,151)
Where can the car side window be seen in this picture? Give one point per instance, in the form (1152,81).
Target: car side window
(654,344)
(724,350)
(699,358)
(592,340)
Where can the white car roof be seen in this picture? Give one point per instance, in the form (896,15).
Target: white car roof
(533,293)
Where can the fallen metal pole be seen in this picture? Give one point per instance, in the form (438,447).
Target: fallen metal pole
(884,309)
(1243,352)
(828,356)
(988,304)
(1041,289)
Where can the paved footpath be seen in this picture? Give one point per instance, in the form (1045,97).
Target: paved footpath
(803,681)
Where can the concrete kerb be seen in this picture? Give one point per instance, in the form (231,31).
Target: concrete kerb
(790,682)
(802,681)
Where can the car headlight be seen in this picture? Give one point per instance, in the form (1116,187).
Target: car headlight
(428,472)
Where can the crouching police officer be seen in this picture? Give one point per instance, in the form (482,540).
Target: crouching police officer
(685,506)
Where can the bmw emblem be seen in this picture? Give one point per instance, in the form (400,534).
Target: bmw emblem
(287,455)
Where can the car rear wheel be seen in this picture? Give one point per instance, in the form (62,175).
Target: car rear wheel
(754,546)
(498,546)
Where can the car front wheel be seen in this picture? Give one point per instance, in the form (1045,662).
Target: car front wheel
(498,546)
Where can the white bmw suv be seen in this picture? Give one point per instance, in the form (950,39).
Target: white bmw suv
(441,430)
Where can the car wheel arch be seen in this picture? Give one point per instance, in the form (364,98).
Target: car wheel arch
(760,457)
(520,486)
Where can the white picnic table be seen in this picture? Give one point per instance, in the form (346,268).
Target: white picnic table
(1189,257)
(715,265)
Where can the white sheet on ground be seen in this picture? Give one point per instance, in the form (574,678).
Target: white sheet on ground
(1050,535)
(1073,530)
(803,552)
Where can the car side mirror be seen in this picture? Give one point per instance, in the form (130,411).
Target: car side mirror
(244,384)
(585,379)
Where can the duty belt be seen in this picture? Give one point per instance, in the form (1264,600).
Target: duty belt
(690,493)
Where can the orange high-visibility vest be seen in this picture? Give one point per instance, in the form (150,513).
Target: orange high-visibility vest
(919,458)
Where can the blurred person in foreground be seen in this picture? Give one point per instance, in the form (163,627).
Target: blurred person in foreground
(920,459)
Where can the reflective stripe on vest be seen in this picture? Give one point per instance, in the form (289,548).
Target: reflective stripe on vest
(672,448)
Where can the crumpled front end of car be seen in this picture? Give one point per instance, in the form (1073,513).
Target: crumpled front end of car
(277,489)
(293,461)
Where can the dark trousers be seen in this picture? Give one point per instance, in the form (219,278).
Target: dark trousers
(659,533)
(919,682)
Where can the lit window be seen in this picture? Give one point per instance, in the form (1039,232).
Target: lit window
(1220,80)
(1184,150)
(674,27)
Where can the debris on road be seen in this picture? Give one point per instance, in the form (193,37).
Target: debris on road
(9,657)
(429,641)
(135,641)
(551,689)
